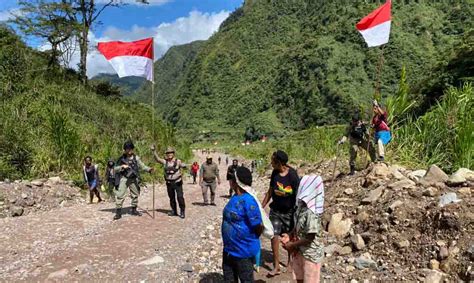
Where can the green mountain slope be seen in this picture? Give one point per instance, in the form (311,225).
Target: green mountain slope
(170,72)
(49,122)
(304,62)
(126,86)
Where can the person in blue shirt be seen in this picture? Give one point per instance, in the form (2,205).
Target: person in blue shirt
(241,228)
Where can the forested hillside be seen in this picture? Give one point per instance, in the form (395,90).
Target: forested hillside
(302,63)
(49,121)
(125,86)
(170,71)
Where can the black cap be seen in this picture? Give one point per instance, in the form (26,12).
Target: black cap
(128,145)
(281,156)
(244,175)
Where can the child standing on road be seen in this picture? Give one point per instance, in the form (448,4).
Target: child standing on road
(304,243)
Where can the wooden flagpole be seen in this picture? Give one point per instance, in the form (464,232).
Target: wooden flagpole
(377,91)
(153,119)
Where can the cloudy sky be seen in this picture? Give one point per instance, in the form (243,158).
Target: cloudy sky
(170,22)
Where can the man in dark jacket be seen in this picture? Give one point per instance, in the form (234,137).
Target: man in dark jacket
(231,174)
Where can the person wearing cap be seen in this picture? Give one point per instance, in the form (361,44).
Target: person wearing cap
(242,226)
(382,134)
(230,174)
(129,165)
(174,179)
(357,132)
(208,175)
(282,191)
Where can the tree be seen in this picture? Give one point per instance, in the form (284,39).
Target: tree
(85,13)
(47,20)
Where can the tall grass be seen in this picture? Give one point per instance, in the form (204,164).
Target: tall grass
(443,136)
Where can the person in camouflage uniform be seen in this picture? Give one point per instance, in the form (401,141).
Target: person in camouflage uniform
(357,133)
(127,168)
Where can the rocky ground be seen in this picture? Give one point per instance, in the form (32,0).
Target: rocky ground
(24,197)
(384,223)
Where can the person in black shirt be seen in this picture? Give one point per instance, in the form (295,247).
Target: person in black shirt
(230,174)
(283,189)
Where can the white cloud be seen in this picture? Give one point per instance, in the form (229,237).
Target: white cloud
(9,14)
(196,26)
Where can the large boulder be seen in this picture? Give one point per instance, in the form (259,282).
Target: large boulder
(339,227)
(461,176)
(434,175)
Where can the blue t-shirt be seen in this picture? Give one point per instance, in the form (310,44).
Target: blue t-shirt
(241,217)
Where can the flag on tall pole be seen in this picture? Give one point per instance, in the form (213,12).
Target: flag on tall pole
(130,58)
(375,27)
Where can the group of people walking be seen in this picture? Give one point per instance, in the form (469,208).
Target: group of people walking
(296,204)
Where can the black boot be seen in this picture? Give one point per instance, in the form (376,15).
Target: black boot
(172,213)
(118,214)
(182,214)
(352,170)
(135,212)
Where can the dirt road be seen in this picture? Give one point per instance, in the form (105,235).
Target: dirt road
(82,243)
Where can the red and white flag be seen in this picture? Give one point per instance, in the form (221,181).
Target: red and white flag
(375,27)
(130,58)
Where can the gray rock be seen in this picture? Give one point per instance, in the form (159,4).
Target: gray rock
(403,244)
(24,196)
(82,268)
(187,268)
(470,252)
(346,250)
(364,261)
(434,276)
(339,227)
(54,180)
(448,198)
(443,253)
(394,205)
(416,175)
(332,249)
(16,211)
(434,264)
(38,182)
(461,176)
(154,260)
(60,274)
(373,196)
(349,191)
(358,242)
(434,175)
(430,192)
(402,184)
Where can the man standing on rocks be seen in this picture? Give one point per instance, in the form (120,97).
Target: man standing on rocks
(283,188)
(173,178)
(231,174)
(129,165)
(207,179)
(358,135)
